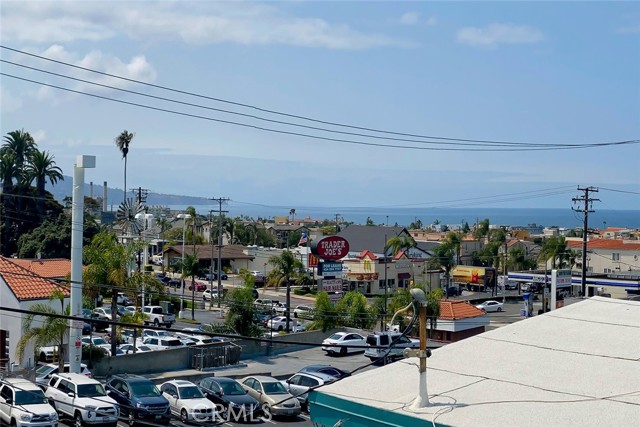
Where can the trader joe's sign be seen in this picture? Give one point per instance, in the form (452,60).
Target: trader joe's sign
(331,248)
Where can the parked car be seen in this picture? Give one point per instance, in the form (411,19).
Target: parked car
(209,294)
(272,396)
(230,395)
(103,312)
(82,399)
(174,283)
(279,323)
(187,401)
(156,333)
(123,299)
(511,285)
(199,286)
(325,369)
(343,343)
(453,291)
(128,348)
(490,306)
(303,312)
(97,342)
(162,343)
(23,404)
(385,339)
(139,399)
(130,309)
(44,372)
(298,385)
(196,339)
(156,315)
(214,276)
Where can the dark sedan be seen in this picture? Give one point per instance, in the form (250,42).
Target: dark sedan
(325,369)
(228,393)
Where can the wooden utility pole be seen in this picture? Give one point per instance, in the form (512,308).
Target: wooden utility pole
(585,204)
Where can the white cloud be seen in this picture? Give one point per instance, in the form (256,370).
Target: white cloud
(190,22)
(8,102)
(410,18)
(496,34)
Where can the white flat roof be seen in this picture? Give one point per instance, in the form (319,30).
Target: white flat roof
(579,365)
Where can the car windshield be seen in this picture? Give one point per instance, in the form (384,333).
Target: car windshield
(163,334)
(90,390)
(107,310)
(30,397)
(274,388)
(190,392)
(99,341)
(336,337)
(43,371)
(144,389)
(231,388)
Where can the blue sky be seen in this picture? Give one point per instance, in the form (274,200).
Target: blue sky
(538,72)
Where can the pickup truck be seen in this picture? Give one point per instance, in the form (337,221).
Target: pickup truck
(155,314)
(23,404)
(384,339)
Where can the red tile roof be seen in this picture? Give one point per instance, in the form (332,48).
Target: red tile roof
(367,253)
(25,284)
(606,244)
(50,268)
(455,310)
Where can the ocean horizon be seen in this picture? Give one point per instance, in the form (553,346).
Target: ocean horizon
(564,218)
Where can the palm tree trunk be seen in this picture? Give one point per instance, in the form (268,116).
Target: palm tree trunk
(124,196)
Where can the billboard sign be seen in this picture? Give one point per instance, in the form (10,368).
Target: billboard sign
(331,285)
(330,268)
(331,248)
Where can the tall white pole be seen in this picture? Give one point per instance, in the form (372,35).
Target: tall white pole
(77,225)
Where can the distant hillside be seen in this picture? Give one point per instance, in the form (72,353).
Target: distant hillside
(114,196)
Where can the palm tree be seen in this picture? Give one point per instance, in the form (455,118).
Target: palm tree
(455,240)
(7,172)
(443,256)
(285,267)
(398,243)
(40,167)
(21,145)
(191,268)
(231,226)
(52,329)
(122,142)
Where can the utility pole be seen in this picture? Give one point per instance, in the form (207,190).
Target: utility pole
(337,226)
(220,200)
(585,204)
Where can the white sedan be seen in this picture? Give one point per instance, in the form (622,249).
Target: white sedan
(187,401)
(346,342)
(489,306)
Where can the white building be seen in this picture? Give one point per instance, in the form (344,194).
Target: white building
(20,288)
(576,366)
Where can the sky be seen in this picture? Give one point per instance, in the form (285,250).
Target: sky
(551,73)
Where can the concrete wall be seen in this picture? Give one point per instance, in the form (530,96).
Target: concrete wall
(179,359)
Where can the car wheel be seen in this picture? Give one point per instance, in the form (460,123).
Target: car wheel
(184,417)
(77,420)
(295,314)
(156,323)
(280,328)
(132,418)
(343,351)
(499,309)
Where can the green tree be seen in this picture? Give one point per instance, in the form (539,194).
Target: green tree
(482,229)
(122,142)
(325,314)
(443,257)
(242,311)
(355,311)
(50,329)
(285,268)
(399,243)
(191,268)
(554,248)
(40,168)
(369,221)
(109,271)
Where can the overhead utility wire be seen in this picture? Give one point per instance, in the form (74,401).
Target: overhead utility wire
(475,144)
(323,138)
(481,141)
(265,110)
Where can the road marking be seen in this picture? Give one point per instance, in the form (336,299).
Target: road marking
(306,417)
(267,421)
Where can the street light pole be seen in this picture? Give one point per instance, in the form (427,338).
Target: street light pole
(184,218)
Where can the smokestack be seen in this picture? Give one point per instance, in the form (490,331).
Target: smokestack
(104,197)
(91,190)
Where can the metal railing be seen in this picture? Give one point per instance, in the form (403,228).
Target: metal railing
(214,355)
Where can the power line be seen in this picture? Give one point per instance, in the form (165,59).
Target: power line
(323,138)
(586,208)
(250,106)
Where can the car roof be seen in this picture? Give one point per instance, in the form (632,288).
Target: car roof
(180,383)
(223,379)
(321,375)
(77,378)
(21,382)
(263,378)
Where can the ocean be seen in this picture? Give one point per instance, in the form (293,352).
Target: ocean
(565,218)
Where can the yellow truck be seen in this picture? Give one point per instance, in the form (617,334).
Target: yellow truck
(474,278)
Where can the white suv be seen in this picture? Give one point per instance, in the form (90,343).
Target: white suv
(23,404)
(384,339)
(83,399)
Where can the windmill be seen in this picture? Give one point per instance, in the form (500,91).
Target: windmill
(126,217)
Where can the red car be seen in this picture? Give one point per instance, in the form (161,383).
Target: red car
(199,287)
